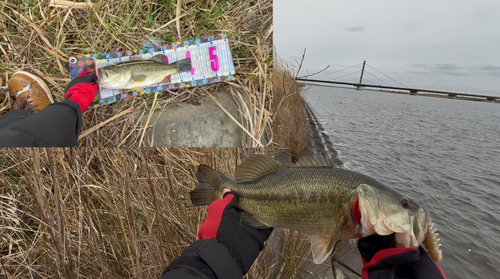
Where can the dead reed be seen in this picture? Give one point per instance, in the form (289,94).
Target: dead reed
(117,213)
(38,36)
(290,123)
(113,213)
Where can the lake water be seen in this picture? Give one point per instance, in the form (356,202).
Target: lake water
(443,153)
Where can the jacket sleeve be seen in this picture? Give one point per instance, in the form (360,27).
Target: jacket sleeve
(205,259)
(58,125)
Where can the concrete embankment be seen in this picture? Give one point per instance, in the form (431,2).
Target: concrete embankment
(347,262)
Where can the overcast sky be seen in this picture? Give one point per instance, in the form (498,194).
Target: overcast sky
(445,44)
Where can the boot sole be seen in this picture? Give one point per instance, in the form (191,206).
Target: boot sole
(40,81)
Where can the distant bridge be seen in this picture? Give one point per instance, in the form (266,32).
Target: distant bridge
(413,91)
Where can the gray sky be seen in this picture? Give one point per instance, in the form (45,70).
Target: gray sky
(445,44)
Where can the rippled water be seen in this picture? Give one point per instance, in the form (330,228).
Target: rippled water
(443,153)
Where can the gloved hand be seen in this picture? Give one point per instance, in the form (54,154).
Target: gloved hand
(381,260)
(223,223)
(82,90)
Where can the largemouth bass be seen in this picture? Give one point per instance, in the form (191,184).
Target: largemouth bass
(139,74)
(324,202)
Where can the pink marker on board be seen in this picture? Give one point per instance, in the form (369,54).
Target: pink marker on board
(214,59)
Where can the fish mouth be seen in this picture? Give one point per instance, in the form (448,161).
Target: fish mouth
(102,74)
(356,213)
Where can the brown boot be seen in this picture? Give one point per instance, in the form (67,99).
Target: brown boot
(23,85)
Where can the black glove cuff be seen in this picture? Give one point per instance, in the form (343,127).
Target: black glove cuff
(210,254)
(192,262)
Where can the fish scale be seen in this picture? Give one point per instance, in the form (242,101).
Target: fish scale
(304,199)
(315,198)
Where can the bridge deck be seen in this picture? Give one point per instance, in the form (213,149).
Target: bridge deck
(412,90)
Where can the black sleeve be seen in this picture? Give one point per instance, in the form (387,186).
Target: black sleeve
(58,125)
(205,259)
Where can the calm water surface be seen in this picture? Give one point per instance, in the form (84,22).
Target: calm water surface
(443,153)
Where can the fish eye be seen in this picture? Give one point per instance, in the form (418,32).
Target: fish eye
(405,203)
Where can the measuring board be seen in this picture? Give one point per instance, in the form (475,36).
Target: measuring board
(211,62)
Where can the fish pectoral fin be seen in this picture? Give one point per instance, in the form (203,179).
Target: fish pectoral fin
(247,219)
(138,78)
(321,248)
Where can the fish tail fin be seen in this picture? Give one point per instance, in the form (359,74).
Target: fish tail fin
(184,65)
(209,182)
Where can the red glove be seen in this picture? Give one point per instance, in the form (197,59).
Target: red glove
(82,90)
(381,260)
(223,223)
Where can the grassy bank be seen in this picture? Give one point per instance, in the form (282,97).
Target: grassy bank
(125,213)
(104,213)
(39,38)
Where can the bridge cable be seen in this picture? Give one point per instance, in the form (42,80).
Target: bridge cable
(386,75)
(358,71)
(341,70)
(366,72)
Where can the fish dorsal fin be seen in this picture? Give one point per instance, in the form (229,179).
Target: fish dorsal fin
(139,60)
(134,63)
(255,166)
(314,162)
(159,58)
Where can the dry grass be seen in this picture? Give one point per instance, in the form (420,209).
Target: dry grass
(111,213)
(290,124)
(120,213)
(38,38)
(114,213)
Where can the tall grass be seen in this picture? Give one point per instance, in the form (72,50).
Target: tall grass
(111,213)
(38,37)
(290,123)
(114,213)
(120,213)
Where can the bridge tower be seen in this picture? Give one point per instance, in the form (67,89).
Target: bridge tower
(361,77)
